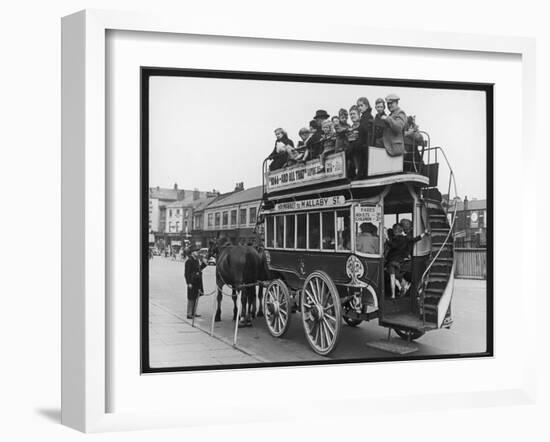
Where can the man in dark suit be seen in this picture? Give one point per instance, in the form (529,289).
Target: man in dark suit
(394,123)
(193,277)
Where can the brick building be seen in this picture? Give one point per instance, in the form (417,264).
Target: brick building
(471,222)
(171,213)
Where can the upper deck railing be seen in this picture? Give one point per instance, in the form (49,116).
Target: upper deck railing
(419,158)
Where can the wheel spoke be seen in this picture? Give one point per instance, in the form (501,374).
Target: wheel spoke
(316,290)
(332,318)
(324,295)
(330,329)
(319,289)
(310,295)
(316,332)
(326,341)
(321,340)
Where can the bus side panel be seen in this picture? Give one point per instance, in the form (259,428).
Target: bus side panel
(304,263)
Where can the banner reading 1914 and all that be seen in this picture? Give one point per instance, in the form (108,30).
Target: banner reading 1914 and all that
(301,174)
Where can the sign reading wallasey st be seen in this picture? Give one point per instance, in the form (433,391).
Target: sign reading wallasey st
(301,174)
(316,203)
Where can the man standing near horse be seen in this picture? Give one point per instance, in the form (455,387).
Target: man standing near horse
(193,276)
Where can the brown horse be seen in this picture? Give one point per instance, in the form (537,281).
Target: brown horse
(241,268)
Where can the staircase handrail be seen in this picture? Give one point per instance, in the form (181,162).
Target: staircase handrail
(453,217)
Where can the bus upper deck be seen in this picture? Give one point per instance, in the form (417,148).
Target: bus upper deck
(420,166)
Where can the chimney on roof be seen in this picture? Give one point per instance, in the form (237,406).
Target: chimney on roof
(239,186)
(196,194)
(175,186)
(466,203)
(158,188)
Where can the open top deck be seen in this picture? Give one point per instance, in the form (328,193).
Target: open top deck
(383,169)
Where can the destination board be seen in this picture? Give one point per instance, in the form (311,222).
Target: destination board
(315,203)
(309,173)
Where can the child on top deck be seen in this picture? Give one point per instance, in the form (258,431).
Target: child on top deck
(354,149)
(283,146)
(301,149)
(312,144)
(328,141)
(341,129)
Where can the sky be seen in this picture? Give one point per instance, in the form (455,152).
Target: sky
(209,133)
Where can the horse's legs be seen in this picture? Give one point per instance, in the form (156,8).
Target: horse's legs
(260,300)
(250,297)
(219,286)
(235,309)
(252,301)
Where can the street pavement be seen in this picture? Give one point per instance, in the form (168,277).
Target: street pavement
(175,342)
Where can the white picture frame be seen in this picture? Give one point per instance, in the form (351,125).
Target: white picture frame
(85,306)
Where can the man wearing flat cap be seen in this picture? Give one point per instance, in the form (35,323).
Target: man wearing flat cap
(394,123)
(193,277)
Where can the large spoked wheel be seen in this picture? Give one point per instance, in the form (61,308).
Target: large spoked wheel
(408,335)
(321,313)
(277,308)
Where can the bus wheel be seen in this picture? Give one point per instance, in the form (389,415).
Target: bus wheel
(321,313)
(277,308)
(409,335)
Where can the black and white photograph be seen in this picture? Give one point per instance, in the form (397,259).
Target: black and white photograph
(300,220)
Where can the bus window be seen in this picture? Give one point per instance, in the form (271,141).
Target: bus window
(328,231)
(367,229)
(279,231)
(301,226)
(343,230)
(314,231)
(270,231)
(289,232)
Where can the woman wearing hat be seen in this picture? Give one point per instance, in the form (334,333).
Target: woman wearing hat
(320,116)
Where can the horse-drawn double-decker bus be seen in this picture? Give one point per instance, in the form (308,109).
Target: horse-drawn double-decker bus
(313,222)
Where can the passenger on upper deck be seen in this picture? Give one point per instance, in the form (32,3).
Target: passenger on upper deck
(328,141)
(305,134)
(281,151)
(394,123)
(320,116)
(313,145)
(379,124)
(341,129)
(412,139)
(354,150)
(365,135)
